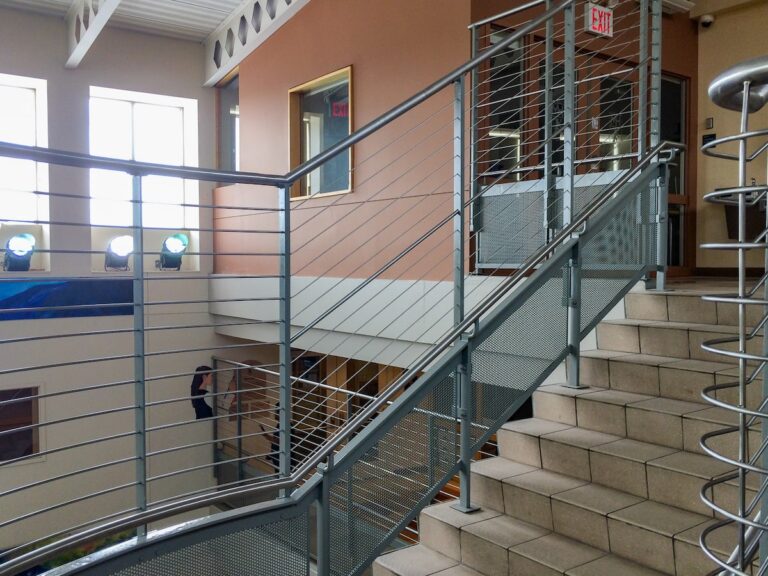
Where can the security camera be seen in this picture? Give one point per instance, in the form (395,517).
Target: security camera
(706,20)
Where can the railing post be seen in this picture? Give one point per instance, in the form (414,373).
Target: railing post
(549,176)
(474,184)
(285,331)
(574,318)
(464,386)
(139,349)
(458,201)
(324,519)
(569,129)
(656,24)
(240,462)
(662,226)
(642,106)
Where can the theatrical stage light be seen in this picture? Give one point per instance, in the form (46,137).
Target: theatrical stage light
(118,251)
(171,252)
(18,253)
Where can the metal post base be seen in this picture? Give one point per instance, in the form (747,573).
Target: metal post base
(465,509)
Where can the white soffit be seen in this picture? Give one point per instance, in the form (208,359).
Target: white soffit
(251,24)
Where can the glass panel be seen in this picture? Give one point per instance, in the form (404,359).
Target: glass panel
(229,126)
(673,128)
(18,415)
(558,113)
(505,110)
(325,122)
(676,228)
(111,194)
(163,198)
(159,134)
(110,128)
(615,123)
(18,125)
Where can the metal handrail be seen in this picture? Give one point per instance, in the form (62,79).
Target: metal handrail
(506,13)
(44,553)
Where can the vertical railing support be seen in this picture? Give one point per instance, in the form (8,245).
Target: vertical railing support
(549,176)
(464,386)
(474,186)
(462,375)
(656,24)
(458,201)
(324,519)
(240,461)
(662,226)
(569,102)
(642,105)
(573,287)
(284,416)
(139,349)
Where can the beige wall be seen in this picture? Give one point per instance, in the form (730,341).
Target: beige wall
(736,35)
(35,45)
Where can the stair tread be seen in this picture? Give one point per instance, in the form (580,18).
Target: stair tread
(581,437)
(616,397)
(544,482)
(698,465)
(500,468)
(597,498)
(415,560)
(634,450)
(506,531)
(611,565)
(557,552)
(446,513)
(670,406)
(534,426)
(645,359)
(672,325)
(659,518)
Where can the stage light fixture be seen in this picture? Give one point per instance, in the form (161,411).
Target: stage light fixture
(118,251)
(173,249)
(18,253)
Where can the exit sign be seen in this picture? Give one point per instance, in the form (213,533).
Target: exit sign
(598,20)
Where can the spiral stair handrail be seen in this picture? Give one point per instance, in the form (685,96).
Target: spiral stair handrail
(743,88)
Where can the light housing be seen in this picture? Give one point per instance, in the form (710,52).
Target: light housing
(118,252)
(18,252)
(172,250)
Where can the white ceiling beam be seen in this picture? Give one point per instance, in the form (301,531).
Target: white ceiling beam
(242,32)
(85,21)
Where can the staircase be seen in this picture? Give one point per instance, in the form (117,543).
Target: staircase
(605,479)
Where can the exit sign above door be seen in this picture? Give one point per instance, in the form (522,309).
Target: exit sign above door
(598,20)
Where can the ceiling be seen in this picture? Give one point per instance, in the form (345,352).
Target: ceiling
(188,19)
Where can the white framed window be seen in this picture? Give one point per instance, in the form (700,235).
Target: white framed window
(147,128)
(23,120)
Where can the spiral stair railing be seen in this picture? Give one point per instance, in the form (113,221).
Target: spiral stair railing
(742,88)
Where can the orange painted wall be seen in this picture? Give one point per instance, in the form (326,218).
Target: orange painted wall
(402,176)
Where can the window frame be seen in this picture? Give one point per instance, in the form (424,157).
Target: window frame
(295,123)
(39,226)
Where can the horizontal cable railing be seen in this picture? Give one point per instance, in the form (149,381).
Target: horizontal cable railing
(311,315)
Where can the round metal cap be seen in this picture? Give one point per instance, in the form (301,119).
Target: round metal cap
(727,90)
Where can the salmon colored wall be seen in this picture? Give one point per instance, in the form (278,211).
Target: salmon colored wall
(395,48)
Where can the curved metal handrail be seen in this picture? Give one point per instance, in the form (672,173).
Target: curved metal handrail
(353,425)
(727,89)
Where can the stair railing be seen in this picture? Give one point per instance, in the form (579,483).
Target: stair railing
(741,88)
(461,337)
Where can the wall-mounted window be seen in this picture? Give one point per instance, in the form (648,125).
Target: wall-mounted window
(18,410)
(229,125)
(145,128)
(321,116)
(615,124)
(23,183)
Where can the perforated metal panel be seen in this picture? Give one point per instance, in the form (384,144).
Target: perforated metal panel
(511,227)
(385,487)
(277,549)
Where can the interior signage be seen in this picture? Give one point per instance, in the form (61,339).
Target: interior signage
(598,20)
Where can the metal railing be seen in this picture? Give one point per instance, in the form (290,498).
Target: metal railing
(444,343)
(742,89)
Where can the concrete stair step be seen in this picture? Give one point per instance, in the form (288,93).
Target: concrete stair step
(664,421)
(685,306)
(660,473)
(652,534)
(668,339)
(499,546)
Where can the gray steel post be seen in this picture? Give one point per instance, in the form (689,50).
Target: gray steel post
(764,430)
(458,201)
(569,129)
(642,106)
(324,519)
(662,228)
(139,348)
(474,185)
(574,319)
(549,176)
(464,386)
(215,379)
(240,461)
(655,72)
(284,207)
